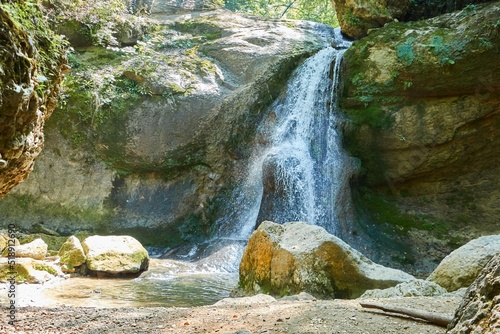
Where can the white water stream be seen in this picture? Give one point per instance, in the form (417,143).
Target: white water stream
(302,172)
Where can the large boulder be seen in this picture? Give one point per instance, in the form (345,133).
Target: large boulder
(37,249)
(460,268)
(28,270)
(71,253)
(32,59)
(479,311)
(294,257)
(424,119)
(115,255)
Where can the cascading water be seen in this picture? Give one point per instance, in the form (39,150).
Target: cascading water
(301,173)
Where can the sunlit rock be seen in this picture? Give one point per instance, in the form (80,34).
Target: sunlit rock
(115,255)
(295,257)
(460,268)
(37,249)
(27,270)
(71,253)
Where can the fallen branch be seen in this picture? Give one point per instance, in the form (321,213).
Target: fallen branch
(439,319)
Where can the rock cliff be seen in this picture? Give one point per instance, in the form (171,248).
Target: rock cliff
(31,62)
(422,100)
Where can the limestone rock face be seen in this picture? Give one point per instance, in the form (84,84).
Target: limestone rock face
(28,270)
(461,268)
(294,257)
(115,255)
(28,95)
(413,288)
(37,249)
(479,311)
(422,100)
(72,253)
(356,17)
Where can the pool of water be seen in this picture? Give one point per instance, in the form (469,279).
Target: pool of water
(166,283)
(159,286)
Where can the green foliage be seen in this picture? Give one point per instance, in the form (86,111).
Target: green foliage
(104,20)
(373,116)
(352,19)
(405,52)
(313,10)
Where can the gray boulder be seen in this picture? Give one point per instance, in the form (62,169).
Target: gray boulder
(461,267)
(479,311)
(115,255)
(294,257)
(414,288)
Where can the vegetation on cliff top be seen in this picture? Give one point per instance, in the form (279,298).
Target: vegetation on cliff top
(313,10)
(29,18)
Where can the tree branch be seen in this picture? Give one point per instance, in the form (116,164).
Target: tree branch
(439,319)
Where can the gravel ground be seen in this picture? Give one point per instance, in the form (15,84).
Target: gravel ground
(258,316)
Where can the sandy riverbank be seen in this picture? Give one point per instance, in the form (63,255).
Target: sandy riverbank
(282,316)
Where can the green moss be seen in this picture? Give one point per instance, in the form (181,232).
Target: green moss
(53,242)
(28,17)
(21,271)
(373,116)
(352,19)
(383,210)
(55,211)
(448,53)
(44,267)
(405,52)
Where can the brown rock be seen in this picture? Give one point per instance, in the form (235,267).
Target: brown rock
(27,98)
(294,257)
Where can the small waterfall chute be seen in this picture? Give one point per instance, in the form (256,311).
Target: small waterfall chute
(302,172)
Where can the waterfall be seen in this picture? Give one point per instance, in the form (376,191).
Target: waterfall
(300,171)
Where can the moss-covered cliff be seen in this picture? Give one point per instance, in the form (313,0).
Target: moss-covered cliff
(32,60)
(423,103)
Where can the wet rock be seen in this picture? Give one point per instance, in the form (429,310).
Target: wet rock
(479,311)
(413,288)
(37,249)
(115,255)
(461,267)
(294,257)
(71,253)
(28,270)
